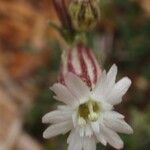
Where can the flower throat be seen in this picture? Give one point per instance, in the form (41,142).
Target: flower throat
(88,112)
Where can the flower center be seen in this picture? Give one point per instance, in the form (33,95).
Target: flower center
(88,112)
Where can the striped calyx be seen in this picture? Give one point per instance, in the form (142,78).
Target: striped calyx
(81,61)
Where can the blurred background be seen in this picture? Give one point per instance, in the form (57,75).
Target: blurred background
(29,62)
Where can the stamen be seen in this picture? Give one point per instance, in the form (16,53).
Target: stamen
(93,116)
(88,112)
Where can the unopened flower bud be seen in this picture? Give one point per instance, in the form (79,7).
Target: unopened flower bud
(84,14)
(81,61)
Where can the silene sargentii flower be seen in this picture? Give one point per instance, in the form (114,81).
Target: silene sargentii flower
(87,109)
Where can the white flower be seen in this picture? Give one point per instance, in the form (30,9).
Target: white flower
(89,113)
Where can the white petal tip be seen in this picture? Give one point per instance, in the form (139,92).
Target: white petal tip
(119,146)
(45,136)
(114,66)
(130,131)
(128,80)
(104,143)
(52,88)
(44,119)
(55,97)
(104,72)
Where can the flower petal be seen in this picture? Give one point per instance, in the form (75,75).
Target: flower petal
(105,83)
(95,126)
(119,89)
(89,143)
(112,138)
(81,131)
(56,129)
(63,94)
(118,125)
(105,106)
(75,141)
(113,115)
(88,131)
(77,87)
(111,76)
(56,116)
(100,137)
(97,92)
